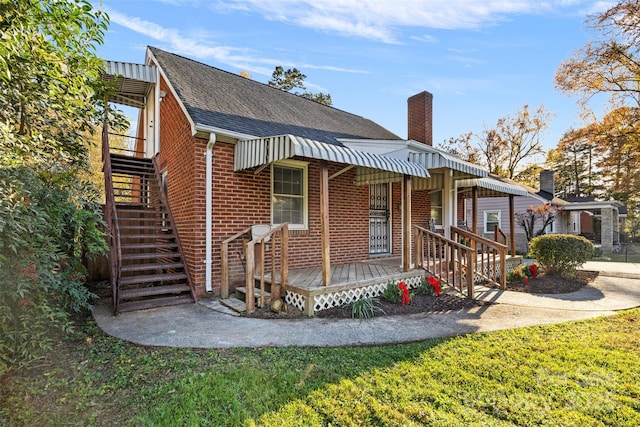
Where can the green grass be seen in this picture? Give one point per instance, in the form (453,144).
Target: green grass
(575,374)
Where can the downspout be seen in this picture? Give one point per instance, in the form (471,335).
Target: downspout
(209,211)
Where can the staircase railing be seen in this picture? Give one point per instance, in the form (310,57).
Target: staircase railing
(448,260)
(165,202)
(490,260)
(111,217)
(256,271)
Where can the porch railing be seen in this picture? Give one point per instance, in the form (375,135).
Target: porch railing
(490,256)
(449,260)
(111,218)
(263,247)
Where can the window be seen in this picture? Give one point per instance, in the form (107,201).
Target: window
(436,207)
(289,194)
(491,221)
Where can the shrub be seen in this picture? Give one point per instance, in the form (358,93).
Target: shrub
(364,308)
(561,254)
(518,274)
(45,229)
(392,293)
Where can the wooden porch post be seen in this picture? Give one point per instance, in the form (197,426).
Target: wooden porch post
(474,209)
(324,224)
(512,225)
(406,225)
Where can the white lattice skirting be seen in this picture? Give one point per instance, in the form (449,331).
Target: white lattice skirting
(341,297)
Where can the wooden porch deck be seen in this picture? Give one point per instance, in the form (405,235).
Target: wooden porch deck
(349,282)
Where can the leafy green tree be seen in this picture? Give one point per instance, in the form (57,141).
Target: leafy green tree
(50,99)
(292,78)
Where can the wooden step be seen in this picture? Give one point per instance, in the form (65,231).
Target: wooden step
(234,304)
(157,245)
(165,236)
(125,211)
(126,228)
(149,255)
(153,291)
(241,294)
(151,278)
(124,307)
(154,266)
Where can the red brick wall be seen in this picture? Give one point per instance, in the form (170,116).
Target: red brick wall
(183,157)
(420,117)
(242,199)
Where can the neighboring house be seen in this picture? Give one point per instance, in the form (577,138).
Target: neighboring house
(238,160)
(572,216)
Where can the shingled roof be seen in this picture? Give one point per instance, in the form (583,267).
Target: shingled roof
(216,98)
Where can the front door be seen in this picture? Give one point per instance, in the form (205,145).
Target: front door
(379,224)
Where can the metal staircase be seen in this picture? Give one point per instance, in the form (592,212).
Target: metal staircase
(148,268)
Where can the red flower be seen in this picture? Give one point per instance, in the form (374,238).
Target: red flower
(405,293)
(526,279)
(533,268)
(436,284)
(24,302)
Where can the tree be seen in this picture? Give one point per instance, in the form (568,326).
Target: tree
(573,160)
(528,220)
(611,65)
(505,148)
(292,78)
(50,99)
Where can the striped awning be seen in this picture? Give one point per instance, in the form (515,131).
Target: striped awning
(262,151)
(491,187)
(133,82)
(432,158)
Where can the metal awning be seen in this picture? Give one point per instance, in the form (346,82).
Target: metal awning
(432,158)
(491,187)
(133,82)
(263,151)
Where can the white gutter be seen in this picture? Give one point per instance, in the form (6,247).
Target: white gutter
(209,210)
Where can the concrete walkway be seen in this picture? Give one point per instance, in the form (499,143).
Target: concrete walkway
(211,326)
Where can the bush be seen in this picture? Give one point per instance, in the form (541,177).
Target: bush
(561,254)
(392,293)
(45,229)
(364,308)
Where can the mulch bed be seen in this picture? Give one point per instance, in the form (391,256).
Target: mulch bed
(444,303)
(419,304)
(546,284)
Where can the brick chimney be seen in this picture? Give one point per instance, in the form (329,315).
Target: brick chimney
(420,117)
(547,182)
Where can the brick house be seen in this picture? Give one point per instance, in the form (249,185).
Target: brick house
(262,186)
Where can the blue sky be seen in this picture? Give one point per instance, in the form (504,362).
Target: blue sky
(481,59)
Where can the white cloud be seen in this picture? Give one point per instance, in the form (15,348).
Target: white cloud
(240,58)
(381,20)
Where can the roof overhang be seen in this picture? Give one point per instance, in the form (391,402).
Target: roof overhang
(371,167)
(586,206)
(490,187)
(133,82)
(433,159)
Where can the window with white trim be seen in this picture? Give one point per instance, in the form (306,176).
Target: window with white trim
(491,221)
(436,207)
(289,194)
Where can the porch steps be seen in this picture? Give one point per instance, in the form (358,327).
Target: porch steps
(234,304)
(241,295)
(152,269)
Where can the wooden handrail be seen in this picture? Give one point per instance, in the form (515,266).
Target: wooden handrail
(111,216)
(250,264)
(224,267)
(165,202)
(446,259)
(499,236)
(490,261)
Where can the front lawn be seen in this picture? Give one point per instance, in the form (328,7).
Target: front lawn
(575,374)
